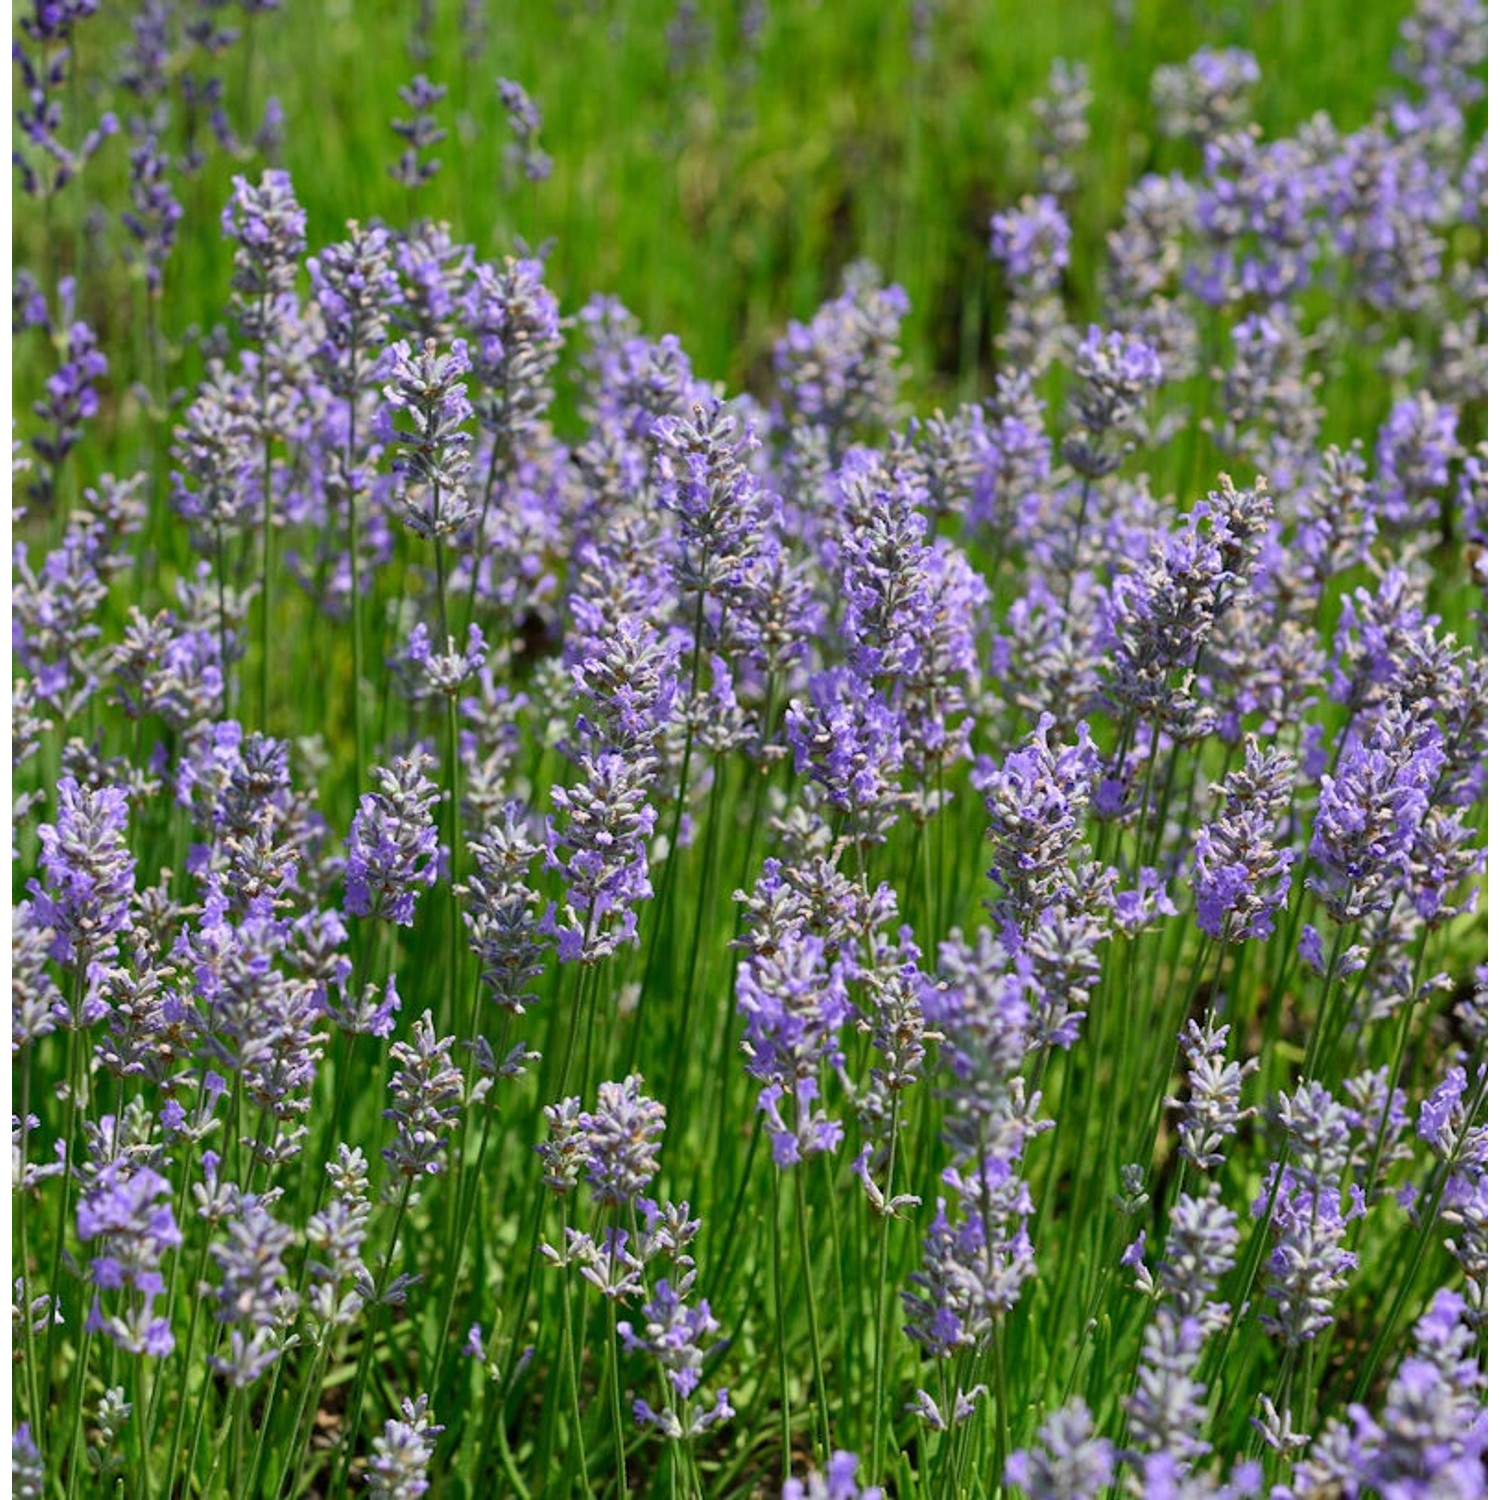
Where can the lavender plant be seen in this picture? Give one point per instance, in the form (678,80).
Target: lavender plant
(957,965)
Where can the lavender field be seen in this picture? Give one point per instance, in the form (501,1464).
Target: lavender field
(749,751)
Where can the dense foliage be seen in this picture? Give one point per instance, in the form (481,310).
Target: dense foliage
(582,929)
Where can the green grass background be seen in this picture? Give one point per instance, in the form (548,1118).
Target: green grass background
(719,201)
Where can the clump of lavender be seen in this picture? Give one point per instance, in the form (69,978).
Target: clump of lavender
(791,992)
(155,213)
(1037,801)
(393,843)
(851,741)
(71,399)
(596,837)
(615,1148)
(51,163)
(704,480)
(253,1298)
(1369,812)
(1308,1266)
(269,230)
(1164,611)
(516,340)
(1430,1436)
(500,909)
(1166,1409)
(523,153)
(1414,454)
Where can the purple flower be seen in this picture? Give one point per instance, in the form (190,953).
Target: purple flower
(1212,1109)
(1431,1436)
(393,843)
(677,1334)
(1413,457)
(835,1481)
(420,131)
(336,1236)
(90,873)
(1031,241)
(1206,95)
(596,836)
(1062,126)
(155,213)
(848,737)
(838,372)
(1114,376)
(1068,1462)
(433,451)
(1369,814)
(254,1293)
(792,994)
(500,909)
(1240,876)
(516,339)
(427,1093)
(402,1452)
(619,1142)
(71,401)
(355,286)
(123,1207)
(976,1260)
(704,479)
(524,151)
(269,230)
(220,476)
(1037,801)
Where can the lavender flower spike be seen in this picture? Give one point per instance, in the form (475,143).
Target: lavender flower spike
(398,1468)
(433,451)
(393,844)
(427,1094)
(1240,877)
(90,872)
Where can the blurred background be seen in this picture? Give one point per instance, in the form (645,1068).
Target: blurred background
(714,164)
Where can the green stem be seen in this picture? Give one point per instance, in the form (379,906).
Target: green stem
(779,1290)
(570,1371)
(266,553)
(883,1260)
(367,1347)
(356,598)
(805,1248)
